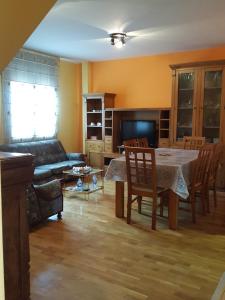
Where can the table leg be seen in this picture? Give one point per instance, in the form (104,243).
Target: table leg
(119,203)
(173,208)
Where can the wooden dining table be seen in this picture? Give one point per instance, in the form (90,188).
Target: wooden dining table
(173,173)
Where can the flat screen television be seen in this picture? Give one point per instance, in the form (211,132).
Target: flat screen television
(131,129)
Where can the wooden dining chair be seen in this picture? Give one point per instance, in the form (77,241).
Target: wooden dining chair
(141,179)
(218,151)
(199,172)
(193,142)
(143,142)
(131,143)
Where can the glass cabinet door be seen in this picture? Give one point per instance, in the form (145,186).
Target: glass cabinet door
(185,104)
(211,105)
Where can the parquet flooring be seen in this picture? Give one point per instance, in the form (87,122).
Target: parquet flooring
(91,255)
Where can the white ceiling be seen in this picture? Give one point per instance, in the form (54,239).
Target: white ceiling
(79,30)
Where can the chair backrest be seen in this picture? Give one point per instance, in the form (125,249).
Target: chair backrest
(131,143)
(141,171)
(142,142)
(219,149)
(201,167)
(193,142)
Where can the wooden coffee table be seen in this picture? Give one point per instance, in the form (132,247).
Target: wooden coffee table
(88,186)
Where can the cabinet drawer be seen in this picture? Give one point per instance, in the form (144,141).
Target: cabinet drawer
(95,159)
(108,147)
(164,143)
(97,146)
(108,139)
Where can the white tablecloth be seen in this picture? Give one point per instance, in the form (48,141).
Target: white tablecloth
(173,169)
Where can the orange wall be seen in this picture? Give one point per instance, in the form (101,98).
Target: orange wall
(18,19)
(144,81)
(70,117)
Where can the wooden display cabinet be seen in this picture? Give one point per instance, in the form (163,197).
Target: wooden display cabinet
(98,124)
(198,105)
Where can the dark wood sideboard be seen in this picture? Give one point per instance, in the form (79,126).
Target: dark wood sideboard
(16,173)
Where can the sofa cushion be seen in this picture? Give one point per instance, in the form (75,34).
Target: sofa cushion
(58,168)
(41,174)
(47,152)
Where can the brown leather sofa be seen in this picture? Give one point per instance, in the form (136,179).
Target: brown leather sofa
(50,159)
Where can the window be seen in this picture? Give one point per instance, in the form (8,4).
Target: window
(34,105)
(30,97)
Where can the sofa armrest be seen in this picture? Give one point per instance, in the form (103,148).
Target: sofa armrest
(49,191)
(77,156)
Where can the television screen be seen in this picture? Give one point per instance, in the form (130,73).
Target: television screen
(131,129)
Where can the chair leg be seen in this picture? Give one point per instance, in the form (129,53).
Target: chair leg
(129,202)
(154,211)
(204,200)
(163,200)
(139,200)
(161,206)
(192,200)
(207,201)
(214,195)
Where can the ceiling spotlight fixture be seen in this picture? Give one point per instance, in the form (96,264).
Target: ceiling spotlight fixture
(118,39)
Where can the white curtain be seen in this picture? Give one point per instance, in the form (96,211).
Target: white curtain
(30,97)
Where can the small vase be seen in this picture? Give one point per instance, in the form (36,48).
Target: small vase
(79,186)
(94,181)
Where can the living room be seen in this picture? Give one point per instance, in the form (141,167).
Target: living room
(91,254)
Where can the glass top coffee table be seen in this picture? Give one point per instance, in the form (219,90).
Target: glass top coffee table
(86,183)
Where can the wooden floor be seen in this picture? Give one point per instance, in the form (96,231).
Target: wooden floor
(91,255)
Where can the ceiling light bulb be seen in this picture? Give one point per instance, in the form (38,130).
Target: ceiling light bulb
(118,39)
(118,44)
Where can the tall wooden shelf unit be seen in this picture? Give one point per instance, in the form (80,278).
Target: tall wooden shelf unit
(198,104)
(164,128)
(98,125)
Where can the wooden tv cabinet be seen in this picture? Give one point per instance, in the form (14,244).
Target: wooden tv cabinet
(102,125)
